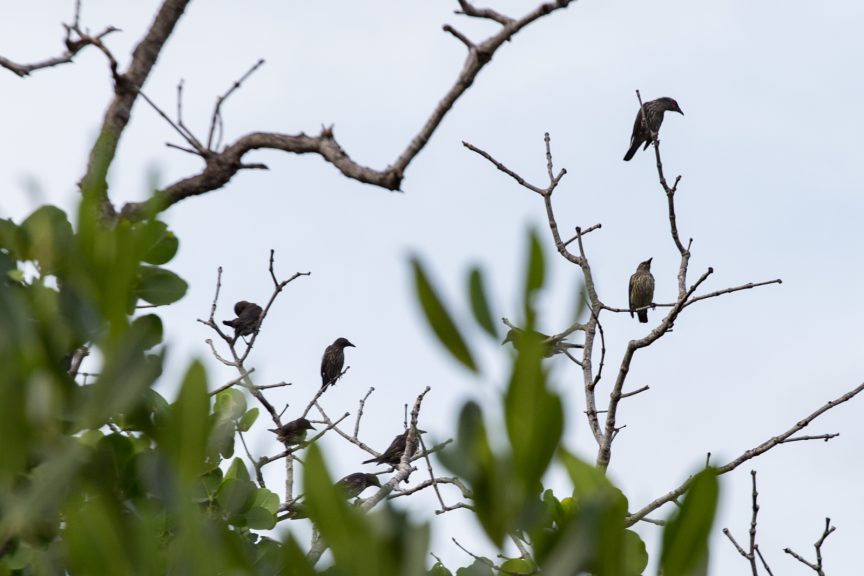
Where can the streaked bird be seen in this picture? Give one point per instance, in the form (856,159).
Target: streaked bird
(294,432)
(354,484)
(393,454)
(332,361)
(248,315)
(654,111)
(550,346)
(641,290)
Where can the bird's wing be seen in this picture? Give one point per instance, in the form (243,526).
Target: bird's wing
(630,293)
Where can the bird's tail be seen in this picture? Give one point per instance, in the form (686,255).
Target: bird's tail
(370,460)
(643,316)
(633,147)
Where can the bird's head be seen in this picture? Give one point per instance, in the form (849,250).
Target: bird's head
(304,424)
(343,343)
(372,480)
(646,265)
(671,105)
(240,306)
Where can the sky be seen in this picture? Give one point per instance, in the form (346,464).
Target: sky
(769,151)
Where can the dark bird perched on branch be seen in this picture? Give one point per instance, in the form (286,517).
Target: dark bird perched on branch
(294,432)
(354,484)
(642,290)
(332,361)
(654,111)
(248,316)
(393,454)
(550,346)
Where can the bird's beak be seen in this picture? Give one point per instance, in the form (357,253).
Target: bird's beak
(681,112)
(649,260)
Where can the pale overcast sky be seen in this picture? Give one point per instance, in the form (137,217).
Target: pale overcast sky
(769,149)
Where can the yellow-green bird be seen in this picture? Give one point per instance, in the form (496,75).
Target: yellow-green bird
(641,290)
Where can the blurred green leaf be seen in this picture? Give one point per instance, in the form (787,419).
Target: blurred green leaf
(237,470)
(439,319)
(185,437)
(518,566)
(235,496)
(248,419)
(159,286)
(685,537)
(151,326)
(480,303)
(160,244)
(534,275)
(49,235)
(635,554)
(479,567)
(534,415)
(439,569)
(230,403)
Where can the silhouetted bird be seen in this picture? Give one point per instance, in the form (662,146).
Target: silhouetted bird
(654,111)
(393,454)
(332,361)
(294,432)
(354,484)
(248,315)
(518,337)
(641,290)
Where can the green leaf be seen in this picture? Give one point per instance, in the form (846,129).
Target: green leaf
(518,566)
(439,319)
(534,416)
(50,238)
(235,496)
(237,470)
(267,500)
(189,424)
(480,567)
(480,303)
(438,569)
(635,554)
(248,419)
(230,403)
(259,518)
(151,327)
(160,244)
(159,286)
(535,272)
(685,538)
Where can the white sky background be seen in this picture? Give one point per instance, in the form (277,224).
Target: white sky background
(770,153)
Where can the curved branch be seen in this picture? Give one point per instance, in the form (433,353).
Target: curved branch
(126,87)
(221,167)
(748,455)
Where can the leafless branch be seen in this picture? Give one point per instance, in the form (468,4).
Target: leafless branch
(75,41)
(217,109)
(817,566)
(360,411)
(222,166)
(750,555)
(748,455)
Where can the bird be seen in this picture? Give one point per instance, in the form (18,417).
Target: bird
(551,346)
(641,290)
(654,110)
(354,484)
(332,361)
(393,454)
(248,316)
(294,432)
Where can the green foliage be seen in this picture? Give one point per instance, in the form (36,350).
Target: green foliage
(480,302)
(685,538)
(440,319)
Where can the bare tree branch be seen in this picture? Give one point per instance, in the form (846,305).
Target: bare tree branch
(222,166)
(126,87)
(817,566)
(748,455)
